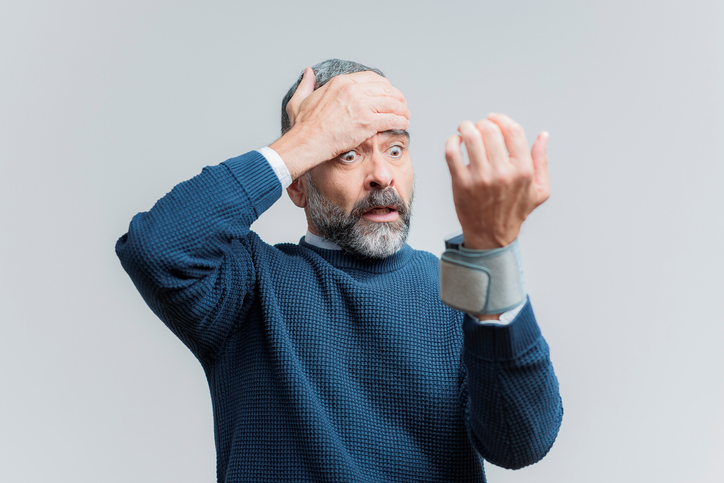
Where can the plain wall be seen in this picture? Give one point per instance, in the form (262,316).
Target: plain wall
(105,106)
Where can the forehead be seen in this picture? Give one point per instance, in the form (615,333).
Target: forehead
(396,133)
(391,135)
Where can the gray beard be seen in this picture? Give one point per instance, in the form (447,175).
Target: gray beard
(355,234)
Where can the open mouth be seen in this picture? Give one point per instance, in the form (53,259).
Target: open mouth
(381,213)
(380,210)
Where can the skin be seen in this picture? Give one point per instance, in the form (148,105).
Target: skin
(382,161)
(338,117)
(503,183)
(494,193)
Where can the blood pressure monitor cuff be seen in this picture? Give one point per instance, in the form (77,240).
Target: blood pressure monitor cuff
(481,281)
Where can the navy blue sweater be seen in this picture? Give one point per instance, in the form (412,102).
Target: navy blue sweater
(327,367)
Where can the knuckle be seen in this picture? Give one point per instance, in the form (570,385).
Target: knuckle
(470,135)
(348,89)
(465,126)
(525,173)
(359,106)
(489,128)
(465,183)
(482,181)
(512,128)
(337,80)
(504,178)
(367,75)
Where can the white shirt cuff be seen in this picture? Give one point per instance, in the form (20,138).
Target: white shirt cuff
(277,164)
(505,318)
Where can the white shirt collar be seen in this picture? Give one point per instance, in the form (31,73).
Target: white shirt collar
(320,242)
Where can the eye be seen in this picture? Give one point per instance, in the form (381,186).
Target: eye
(349,156)
(395,151)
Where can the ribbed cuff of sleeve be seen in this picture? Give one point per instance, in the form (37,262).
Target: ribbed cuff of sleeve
(277,164)
(257,179)
(501,342)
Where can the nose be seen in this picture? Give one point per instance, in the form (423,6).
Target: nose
(379,175)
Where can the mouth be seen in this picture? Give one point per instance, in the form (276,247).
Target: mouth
(381,213)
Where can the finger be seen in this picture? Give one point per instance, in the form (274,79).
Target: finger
(389,122)
(365,76)
(389,105)
(383,89)
(454,157)
(477,152)
(306,86)
(304,90)
(514,138)
(494,143)
(539,153)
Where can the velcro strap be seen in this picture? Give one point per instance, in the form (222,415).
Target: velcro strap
(482,281)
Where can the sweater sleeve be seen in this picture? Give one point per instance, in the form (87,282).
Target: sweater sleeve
(513,405)
(189,256)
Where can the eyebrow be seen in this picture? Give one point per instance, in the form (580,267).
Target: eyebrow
(397,132)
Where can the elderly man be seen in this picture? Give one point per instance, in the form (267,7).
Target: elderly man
(335,360)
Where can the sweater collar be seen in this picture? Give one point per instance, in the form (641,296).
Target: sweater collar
(340,258)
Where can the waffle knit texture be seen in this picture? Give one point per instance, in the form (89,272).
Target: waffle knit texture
(327,367)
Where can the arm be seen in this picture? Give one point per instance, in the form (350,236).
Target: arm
(502,184)
(190,255)
(186,253)
(513,406)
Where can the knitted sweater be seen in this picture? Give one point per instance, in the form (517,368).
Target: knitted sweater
(327,367)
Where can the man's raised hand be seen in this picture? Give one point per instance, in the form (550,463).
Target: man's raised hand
(503,182)
(338,117)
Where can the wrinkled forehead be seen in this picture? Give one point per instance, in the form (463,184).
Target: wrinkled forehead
(391,135)
(396,133)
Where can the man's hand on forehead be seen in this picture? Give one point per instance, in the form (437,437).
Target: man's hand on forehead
(338,117)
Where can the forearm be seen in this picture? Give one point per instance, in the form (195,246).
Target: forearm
(514,407)
(175,253)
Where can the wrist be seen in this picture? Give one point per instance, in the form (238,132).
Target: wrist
(473,242)
(488,316)
(481,282)
(298,153)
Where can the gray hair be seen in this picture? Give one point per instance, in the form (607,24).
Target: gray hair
(323,73)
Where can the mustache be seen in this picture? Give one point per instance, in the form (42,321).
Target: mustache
(378,198)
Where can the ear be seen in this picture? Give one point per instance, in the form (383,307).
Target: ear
(297,191)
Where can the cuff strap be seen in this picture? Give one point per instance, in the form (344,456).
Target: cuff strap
(481,281)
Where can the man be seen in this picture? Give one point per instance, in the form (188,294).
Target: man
(335,359)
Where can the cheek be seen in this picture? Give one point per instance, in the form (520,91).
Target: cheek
(348,191)
(407,180)
(344,189)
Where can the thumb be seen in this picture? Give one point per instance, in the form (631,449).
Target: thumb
(304,89)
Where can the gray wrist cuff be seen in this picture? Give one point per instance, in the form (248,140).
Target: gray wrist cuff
(481,281)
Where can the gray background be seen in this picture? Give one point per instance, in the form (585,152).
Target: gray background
(105,106)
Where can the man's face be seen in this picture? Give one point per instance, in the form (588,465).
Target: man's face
(362,199)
